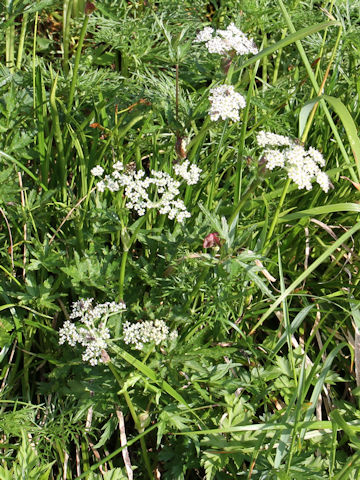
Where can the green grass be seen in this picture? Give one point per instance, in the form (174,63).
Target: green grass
(262,381)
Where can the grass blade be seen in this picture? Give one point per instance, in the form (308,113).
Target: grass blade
(306,273)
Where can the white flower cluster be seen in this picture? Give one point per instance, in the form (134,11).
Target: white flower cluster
(158,190)
(97,171)
(225,103)
(231,39)
(94,334)
(190,173)
(302,166)
(149,331)
(267,138)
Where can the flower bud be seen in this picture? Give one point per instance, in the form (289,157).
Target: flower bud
(211,240)
(89,8)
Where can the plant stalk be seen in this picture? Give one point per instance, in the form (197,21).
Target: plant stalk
(77,62)
(59,141)
(22,41)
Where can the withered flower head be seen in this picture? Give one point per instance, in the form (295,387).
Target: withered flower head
(89,8)
(211,240)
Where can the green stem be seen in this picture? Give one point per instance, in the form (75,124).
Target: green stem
(77,62)
(264,65)
(251,188)
(66,34)
(322,48)
(239,165)
(22,40)
(230,73)
(196,141)
(10,40)
(40,109)
(34,56)
(215,167)
(278,59)
(77,7)
(197,287)
(313,111)
(122,273)
(129,125)
(177,94)
(277,212)
(140,429)
(127,244)
(59,141)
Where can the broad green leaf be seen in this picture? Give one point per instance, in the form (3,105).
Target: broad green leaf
(349,125)
(292,38)
(304,115)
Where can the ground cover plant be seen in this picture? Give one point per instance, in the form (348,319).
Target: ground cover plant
(179,239)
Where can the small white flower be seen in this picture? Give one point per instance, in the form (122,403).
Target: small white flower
(181,216)
(190,173)
(316,156)
(97,171)
(111,184)
(231,39)
(300,177)
(69,334)
(140,333)
(225,103)
(100,186)
(216,45)
(93,333)
(274,158)
(235,39)
(173,335)
(302,166)
(265,139)
(156,191)
(118,166)
(323,180)
(205,35)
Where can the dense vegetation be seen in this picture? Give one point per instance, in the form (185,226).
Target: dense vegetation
(179,299)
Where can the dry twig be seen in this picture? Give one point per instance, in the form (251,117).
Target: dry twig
(123,442)
(11,241)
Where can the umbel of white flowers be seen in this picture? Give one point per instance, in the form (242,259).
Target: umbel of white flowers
(148,331)
(302,166)
(224,41)
(93,332)
(156,191)
(225,103)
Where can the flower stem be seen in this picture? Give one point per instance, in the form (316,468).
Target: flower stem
(61,160)
(215,168)
(277,212)
(196,141)
(239,166)
(76,63)
(122,273)
(22,40)
(127,242)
